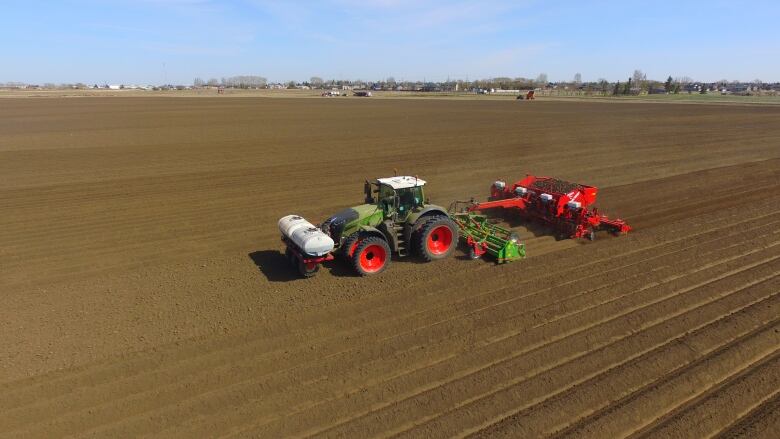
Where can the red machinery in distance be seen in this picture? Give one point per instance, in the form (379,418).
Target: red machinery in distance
(563,205)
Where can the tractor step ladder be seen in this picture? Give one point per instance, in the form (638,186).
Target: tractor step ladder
(402,244)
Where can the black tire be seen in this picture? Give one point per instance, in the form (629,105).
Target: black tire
(291,259)
(348,243)
(432,244)
(372,256)
(306,271)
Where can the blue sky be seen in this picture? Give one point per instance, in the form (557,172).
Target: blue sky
(151,41)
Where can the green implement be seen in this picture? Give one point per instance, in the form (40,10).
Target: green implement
(483,237)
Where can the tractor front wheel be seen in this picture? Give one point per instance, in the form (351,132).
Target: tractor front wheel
(371,256)
(350,245)
(437,238)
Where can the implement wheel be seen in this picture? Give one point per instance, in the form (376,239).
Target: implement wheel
(290,256)
(371,256)
(437,238)
(307,270)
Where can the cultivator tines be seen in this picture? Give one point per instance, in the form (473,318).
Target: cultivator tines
(483,237)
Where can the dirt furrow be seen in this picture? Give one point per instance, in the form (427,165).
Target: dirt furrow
(380,311)
(667,365)
(761,423)
(541,370)
(426,349)
(143,290)
(470,379)
(717,408)
(250,367)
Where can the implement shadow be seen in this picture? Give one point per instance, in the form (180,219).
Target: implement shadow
(274,266)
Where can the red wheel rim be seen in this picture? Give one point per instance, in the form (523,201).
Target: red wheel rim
(373,258)
(440,240)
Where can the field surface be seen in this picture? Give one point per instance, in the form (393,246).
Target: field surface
(143,292)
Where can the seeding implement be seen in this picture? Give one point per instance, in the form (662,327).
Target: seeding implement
(564,206)
(483,237)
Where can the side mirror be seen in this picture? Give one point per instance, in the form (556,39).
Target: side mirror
(367,191)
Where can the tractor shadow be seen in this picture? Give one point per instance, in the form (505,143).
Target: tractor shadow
(339,267)
(274,266)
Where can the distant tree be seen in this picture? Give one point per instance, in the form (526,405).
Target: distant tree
(291,85)
(649,85)
(668,86)
(683,80)
(616,91)
(245,81)
(316,82)
(577,79)
(604,85)
(198,82)
(627,88)
(676,88)
(542,79)
(213,82)
(638,78)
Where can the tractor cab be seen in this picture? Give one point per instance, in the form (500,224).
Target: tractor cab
(396,196)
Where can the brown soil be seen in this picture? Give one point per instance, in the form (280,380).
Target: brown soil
(144,292)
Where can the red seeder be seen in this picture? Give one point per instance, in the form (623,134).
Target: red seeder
(562,205)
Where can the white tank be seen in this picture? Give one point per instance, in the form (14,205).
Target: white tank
(574,204)
(305,235)
(289,223)
(546,197)
(500,185)
(521,191)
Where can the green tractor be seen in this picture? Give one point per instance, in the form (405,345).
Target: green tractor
(395,218)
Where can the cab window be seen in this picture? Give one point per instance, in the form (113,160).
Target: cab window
(386,197)
(409,198)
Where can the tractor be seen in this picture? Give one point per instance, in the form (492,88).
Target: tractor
(394,218)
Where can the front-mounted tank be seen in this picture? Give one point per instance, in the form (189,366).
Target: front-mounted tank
(308,238)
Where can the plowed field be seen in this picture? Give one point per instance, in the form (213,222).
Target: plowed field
(143,292)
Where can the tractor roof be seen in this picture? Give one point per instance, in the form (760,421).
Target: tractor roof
(401,182)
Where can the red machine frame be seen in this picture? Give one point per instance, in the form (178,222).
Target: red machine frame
(310,264)
(563,205)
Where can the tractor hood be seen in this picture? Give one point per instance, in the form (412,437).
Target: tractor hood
(335,225)
(365,210)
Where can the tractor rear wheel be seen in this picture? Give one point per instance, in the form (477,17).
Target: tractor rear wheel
(437,238)
(371,256)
